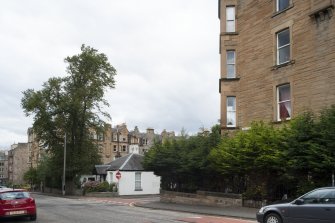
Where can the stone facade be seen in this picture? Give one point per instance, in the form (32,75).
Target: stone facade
(119,141)
(263,48)
(3,167)
(18,163)
(35,150)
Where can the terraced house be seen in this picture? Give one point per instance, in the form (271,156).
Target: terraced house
(277,59)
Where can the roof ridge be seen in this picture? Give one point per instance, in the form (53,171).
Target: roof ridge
(125,163)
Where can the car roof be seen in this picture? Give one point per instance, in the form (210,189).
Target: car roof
(320,188)
(5,190)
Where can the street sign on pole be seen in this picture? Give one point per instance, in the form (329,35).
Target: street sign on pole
(118,175)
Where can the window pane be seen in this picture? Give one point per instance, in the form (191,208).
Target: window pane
(230,13)
(231,111)
(230,57)
(282,4)
(230,71)
(283,38)
(230,64)
(284,54)
(230,26)
(137,181)
(284,93)
(231,103)
(231,119)
(230,19)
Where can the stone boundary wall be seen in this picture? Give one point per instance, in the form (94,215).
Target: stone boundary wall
(253,204)
(202,198)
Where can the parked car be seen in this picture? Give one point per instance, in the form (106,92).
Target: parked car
(317,206)
(17,202)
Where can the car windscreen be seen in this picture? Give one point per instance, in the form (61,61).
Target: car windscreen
(12,195)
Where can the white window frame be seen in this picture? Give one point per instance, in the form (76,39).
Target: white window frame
(284,101)
(278,3)
(231,64)
(231,20)
(281,47)
(231,112)
(138,181)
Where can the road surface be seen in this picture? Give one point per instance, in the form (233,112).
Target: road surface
(112,210)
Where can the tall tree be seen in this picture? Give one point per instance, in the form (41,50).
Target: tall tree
(72,106)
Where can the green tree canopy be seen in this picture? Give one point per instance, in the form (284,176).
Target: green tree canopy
(72,106)
(183,162)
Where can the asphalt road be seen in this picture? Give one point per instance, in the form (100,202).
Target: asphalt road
(88,210)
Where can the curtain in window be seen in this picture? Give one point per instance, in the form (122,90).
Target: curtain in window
(284,102)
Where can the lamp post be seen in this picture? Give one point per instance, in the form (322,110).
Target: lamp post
(64,167)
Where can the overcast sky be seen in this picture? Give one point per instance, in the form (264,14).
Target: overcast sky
(165,53)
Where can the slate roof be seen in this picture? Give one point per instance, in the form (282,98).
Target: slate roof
(101,169)
(130,162)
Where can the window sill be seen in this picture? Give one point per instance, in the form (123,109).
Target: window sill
(276,67)
(230,128)
(230,79)
(229,33)
(138,189)
(282,121)
(282,11)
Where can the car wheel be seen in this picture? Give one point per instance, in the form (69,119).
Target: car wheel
(273,218)
(33,217)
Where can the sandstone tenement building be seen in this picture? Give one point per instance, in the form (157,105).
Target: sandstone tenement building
(18,163)
(277,59)
(119,141)
(3,167)
(113,142)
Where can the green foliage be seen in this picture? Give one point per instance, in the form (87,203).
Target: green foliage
(254,156)
(70,107)
(183,163)
(31,176)
(96,186)
(264,162)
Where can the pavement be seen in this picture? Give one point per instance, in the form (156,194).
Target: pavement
(236,212)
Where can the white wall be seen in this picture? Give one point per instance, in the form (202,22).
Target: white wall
(150,183)
(134,149)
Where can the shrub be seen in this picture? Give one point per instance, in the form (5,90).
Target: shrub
(96,186)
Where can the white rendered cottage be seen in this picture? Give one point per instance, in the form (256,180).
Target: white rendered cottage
(133,180)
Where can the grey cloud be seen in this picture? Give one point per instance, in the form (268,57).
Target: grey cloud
(165,53)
